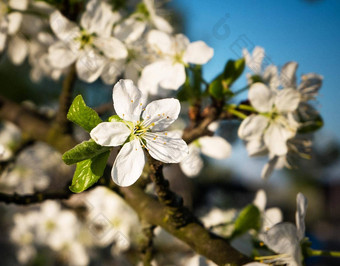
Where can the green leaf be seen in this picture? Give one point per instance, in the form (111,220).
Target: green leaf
(249,218)
(85,150)
(88,172)
(232,71)
(83,115)
(216,88)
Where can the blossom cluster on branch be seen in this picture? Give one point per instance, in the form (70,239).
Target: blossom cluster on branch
(164,112)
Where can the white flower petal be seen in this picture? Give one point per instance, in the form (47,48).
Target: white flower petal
(162,113)
(111,71)
(276,137)
(18,4)
(198,53)
(254,61)
(110,133)
(60,55)
(287,100)
(271,77)
(282,238)
(65,29)
(160,42)
(161,24)
(3,38)
(128,100)
(99,18)
(261,97)
(129,30)
(288,75)
(252,127)
(129,164)
(256,146)
(193,163)
(17,50)
(167,147)
(260,200)
(300,214)
(161,74)
(111,47)
(14,22)
(310,85)
(215,147)
(269,167)
(271,217)
(89,65)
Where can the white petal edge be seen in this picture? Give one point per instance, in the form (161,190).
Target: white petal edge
(162,113)
(129,164)
(128,100)
(198,53)
(110,133)
(261,97)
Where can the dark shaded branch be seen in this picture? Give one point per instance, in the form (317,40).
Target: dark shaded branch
(194,234)
(146,247)
(33,198)
(65,101)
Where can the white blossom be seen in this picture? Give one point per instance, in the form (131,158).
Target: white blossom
(89,45)
(136,132)
(285,238)
(213,146)
(274,124)
(174,54)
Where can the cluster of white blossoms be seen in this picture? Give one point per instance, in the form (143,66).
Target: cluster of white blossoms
(104,43)
(108,222)
(281,109)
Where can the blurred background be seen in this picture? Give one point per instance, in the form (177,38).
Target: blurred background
(292,30)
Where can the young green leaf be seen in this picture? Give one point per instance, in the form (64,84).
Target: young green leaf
(249,218)
(83,115)
(216,88)
(85,150)
(233,71)
(88,172)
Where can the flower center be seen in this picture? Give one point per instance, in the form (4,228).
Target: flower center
(84,39)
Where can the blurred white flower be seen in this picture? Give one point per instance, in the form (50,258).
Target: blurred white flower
(89,45)
(10,137)
(111,220)
(174,54)
(254,61)
(269,217)
(213,146)
(10,18)
(274,124)
(285,238)
(136,132)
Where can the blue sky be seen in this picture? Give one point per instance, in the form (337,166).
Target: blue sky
(303,31)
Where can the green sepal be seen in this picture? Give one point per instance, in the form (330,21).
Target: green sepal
(88,172)
(82,115)
(114,118)
(83,151)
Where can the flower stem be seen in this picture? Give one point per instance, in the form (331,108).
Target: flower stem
(231,109)
(315,252)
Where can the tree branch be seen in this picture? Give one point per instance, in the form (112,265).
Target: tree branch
(65,101)
(33,198)
(189,229)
